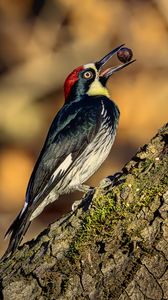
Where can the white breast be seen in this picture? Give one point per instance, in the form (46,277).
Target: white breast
(92,158)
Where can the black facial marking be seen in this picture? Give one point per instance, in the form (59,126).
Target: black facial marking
(83,84)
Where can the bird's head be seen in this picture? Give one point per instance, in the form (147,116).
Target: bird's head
(90,79)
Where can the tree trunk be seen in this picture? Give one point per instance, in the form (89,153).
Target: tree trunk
(116,249)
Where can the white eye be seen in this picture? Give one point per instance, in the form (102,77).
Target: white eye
(88,74)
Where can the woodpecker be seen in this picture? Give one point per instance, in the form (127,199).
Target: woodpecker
(79,140)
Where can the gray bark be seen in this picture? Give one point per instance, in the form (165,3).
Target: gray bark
(117,249)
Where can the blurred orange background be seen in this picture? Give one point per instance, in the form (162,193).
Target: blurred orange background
(41,42)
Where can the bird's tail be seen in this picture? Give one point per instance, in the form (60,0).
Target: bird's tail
(17,230)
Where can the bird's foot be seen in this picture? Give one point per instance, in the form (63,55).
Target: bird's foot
(76,204)
(84,203)
(84,188)
(112,180)
(86,200)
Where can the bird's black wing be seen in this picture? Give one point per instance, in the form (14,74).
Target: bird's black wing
(74,127)
(72,130)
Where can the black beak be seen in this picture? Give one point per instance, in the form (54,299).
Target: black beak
(104,76)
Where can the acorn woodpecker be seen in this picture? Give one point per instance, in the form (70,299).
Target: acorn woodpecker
(79,140)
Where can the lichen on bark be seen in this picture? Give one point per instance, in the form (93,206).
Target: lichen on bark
(117,249)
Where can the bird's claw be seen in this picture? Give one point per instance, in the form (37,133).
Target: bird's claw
(112,180)
(85,201)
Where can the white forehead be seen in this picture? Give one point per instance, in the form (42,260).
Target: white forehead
(91,65)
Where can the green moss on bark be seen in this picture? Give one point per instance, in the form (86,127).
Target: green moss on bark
(125,201)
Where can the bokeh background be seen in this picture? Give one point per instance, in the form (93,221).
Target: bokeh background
(40,43)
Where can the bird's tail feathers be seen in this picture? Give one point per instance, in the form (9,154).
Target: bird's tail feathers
(17,230)
(10,229)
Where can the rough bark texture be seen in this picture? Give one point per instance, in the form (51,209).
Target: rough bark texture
(117,249)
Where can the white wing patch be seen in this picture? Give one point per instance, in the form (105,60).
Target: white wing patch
(52,196)
(63,166)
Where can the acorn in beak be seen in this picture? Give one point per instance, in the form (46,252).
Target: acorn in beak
(124,55)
